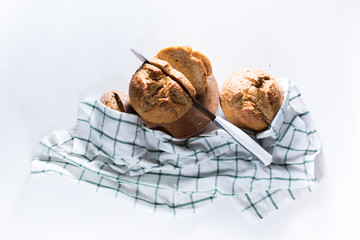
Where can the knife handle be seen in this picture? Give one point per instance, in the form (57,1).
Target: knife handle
(244,140)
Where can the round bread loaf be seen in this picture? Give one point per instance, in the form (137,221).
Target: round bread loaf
(250,99)
(112,100)
(195,66)
(156,97)
(118,101)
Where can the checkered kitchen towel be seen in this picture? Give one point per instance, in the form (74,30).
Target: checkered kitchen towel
(114,152)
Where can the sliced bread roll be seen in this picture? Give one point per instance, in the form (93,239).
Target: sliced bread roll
(195,66)
(156,97)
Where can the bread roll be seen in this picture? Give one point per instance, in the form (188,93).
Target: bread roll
(195,66)
(156,97)
(250,99)
(118,101)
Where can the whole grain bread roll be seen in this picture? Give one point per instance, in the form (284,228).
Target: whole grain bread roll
(250,99)
(117,100)
(156,97)
(194,65)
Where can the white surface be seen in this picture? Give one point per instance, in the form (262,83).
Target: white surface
(55,53)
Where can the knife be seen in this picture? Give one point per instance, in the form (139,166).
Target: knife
(236,133)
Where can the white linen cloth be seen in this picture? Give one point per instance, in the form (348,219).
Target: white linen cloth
(114,152)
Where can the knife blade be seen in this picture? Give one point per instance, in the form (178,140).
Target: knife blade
(236,133)
(139,56)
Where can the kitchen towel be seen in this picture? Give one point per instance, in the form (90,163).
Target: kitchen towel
(114,152)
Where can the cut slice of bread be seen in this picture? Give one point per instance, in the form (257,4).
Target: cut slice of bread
(204,60)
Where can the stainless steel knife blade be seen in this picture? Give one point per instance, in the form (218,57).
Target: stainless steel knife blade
(139,56)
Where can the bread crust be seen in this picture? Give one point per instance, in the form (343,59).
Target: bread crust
(117,100)
(204,60)
(174,74)
(250,99)
(110,99)
(194,65)
(156,97)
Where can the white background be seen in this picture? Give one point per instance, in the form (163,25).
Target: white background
(53,54)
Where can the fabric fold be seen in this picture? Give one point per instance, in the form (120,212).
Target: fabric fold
(115,152)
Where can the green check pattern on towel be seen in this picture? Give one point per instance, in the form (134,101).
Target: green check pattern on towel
(114,152)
